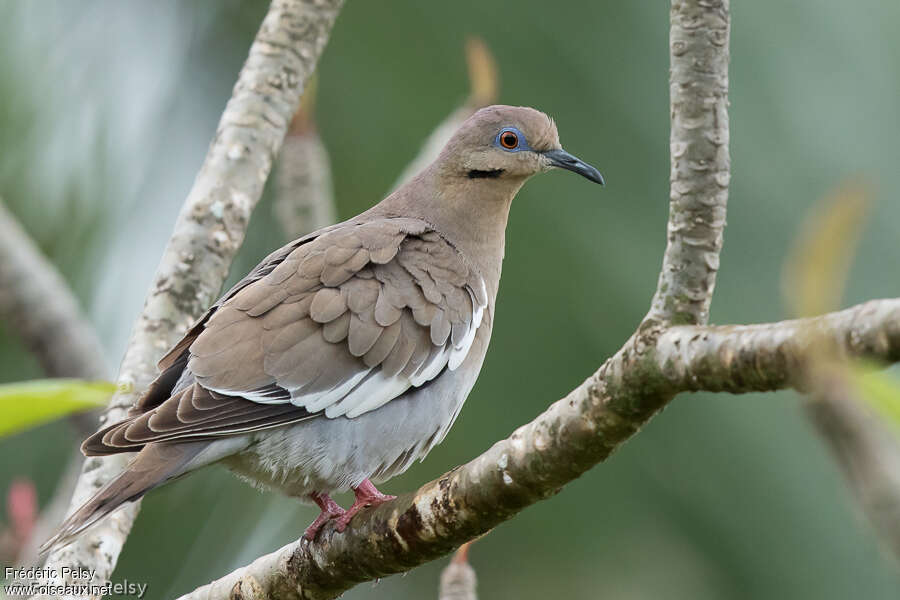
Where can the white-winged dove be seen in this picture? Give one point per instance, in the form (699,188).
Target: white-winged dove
(347,354)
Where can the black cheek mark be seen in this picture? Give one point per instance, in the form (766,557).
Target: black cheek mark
(493,174)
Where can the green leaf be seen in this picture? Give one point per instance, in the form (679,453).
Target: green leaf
(879,389)
(28,403)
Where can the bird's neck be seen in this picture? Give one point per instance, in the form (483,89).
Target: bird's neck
(470,213)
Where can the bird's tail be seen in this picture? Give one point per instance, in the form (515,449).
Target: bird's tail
(155,465)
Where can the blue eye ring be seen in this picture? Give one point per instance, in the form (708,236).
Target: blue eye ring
(511,140)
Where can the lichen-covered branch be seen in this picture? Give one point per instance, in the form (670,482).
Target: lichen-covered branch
(700,163)
(37,304)
(207,234)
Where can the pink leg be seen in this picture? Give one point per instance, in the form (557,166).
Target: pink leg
(366,495)
(330,510)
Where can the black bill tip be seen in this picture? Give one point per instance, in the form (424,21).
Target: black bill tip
(563,160)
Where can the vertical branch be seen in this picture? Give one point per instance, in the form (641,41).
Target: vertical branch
(701,167)
(208,232)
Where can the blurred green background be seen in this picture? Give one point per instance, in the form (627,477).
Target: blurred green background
(107,110)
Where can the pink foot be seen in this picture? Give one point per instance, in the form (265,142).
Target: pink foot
(330,510)
(366,495)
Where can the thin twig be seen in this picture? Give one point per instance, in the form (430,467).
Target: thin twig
(304,194)
(458,580)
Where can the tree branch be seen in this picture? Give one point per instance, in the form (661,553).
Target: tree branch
(39,307)
(304,195)
(539,458)
(751,358)
(865,450)
(700,163)
(208,232)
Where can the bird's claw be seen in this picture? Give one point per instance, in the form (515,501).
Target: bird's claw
(367,495)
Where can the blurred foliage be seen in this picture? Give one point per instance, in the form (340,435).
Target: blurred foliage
(817,268)
(28,403)
(815,276)
(484,79)
(880,390)
(108,110)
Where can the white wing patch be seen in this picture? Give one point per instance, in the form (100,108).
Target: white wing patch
(459,352)
(369,388)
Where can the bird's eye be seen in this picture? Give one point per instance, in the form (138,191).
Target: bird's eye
(509,140)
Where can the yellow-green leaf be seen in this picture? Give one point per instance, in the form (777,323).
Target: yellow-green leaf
(28,403)
(879,389)
(816,271)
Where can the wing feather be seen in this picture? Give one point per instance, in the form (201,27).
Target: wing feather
(334,325)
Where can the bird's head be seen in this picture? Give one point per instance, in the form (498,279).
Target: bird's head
(510,143)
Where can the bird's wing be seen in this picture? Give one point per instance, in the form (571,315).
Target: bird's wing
(342,324)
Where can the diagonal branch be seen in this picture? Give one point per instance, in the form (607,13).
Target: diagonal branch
(38,305)
(866,451)
(569,438)
(207,234)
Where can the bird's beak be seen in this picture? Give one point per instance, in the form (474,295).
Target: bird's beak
(562,159)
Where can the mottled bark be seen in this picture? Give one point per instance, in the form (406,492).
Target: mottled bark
(747,358)
(208,232)
(700,163)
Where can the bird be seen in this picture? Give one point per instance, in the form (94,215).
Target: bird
(346,355)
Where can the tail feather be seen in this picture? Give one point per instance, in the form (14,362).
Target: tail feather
(155,465)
